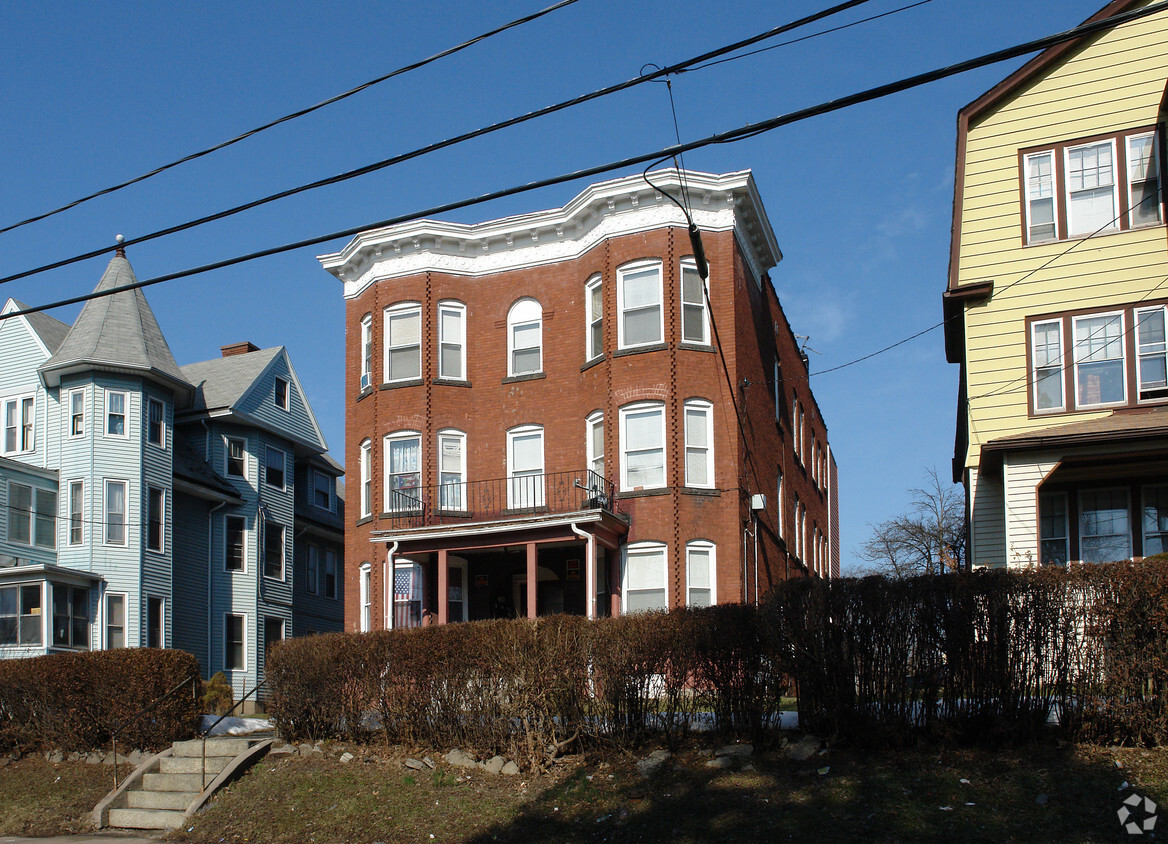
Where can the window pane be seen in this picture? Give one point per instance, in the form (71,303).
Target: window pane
(1105,526)
(526,361)
(642,326)
(527,452)
(646,569)
(20,513)
(1144,177)
(1099,359)
(1091,187)
(405,329)
(1155,520)
(46,518)
(641,288)
(404,363)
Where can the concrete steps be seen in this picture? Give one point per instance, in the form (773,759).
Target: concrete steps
(167,788)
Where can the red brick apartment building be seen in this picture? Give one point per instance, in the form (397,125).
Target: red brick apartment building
(546,413)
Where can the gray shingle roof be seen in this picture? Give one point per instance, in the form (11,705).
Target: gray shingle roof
(51,331)
(222,382)
(117,332)
(189,464)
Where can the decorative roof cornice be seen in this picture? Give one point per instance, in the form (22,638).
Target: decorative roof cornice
(728,202)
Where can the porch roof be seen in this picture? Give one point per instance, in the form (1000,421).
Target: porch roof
(531,528)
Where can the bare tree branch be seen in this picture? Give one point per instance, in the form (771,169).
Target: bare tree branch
(929,538)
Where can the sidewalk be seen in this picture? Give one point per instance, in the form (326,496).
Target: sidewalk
(78,839)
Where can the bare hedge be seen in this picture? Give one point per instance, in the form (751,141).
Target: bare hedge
(988,657)
(75,701)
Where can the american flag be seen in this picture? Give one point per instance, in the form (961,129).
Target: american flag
(406,584)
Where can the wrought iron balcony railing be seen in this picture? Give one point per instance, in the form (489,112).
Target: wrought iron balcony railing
(524,494)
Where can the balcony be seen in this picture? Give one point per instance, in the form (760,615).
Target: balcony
(499,499)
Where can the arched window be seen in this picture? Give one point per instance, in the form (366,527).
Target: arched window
(700,580)
(639,295)
(366,598)
(403,471)
(642,436)
(525,337)
(644,577)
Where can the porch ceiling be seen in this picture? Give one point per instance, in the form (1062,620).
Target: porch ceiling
(607,528)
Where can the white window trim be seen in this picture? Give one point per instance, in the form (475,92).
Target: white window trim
(1115,175)
(366,468)
(366,352)
(591,422)
(712,549)
(643,549)
(105,621)
(151,402)
(385,443)
(779,504)
(105,485)
(1054,176)
(516,493)
(624,413)
(243,641)
(620,290)
(69,415)
(365,582)
(460,438)
(522,314)
(242,544)
(1139,385)
(287,405)
(691,264)
(283,552)
(707,410)
(18,401)
(268,448)
(161,549)
(1034,326)
(454,307)
(125,435)
(1122,314)
(590,318)
(70,484)
(399,309)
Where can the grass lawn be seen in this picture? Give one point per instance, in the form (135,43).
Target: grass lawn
(838,796)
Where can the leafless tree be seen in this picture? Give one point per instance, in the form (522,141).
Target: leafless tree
(929,538)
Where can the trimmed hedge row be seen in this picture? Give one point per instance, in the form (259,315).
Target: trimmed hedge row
(74,701)
(988,656)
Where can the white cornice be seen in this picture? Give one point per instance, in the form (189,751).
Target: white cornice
(728,202)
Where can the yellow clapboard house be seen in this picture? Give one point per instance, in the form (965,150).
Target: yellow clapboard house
(1056,302)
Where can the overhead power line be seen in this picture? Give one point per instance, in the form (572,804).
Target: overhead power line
(289,117)
(434,147)
(748,131)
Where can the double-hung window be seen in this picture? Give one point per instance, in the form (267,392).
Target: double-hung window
(366,589)
(699,443)
(115,414)
(76,413)
(639,294)
(695,326)
(312,570)
(699,574)
(1099,359)
(115,620)
(525,484)
(274,467)
(1046,351)
(525,337)
(1082,188)
(233,642)
(76,512)
(452,470)
(115,512)
(366,463)
(403,472)
(19,424)
(779,505)
(274,550)
(280,394)
(594,432)
(32,515)
(155,511)
(366,351)
(403,349)
(642,429)
(452,340)
(330,573)
(644,577)
(20,615)
(594,315)
(70,616)
(1052,529)
(1151,353)
(156,423)
(1104,526)
(321,493)
(234,530)
(236,458)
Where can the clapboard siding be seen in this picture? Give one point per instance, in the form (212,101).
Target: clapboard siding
(988,529)
(190,583)
(259,403)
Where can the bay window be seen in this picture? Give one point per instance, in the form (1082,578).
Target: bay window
(403,472)
(403,349)
(639,295)
(525,338)
(642,437)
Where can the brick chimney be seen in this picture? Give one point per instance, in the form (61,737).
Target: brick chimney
(238,349)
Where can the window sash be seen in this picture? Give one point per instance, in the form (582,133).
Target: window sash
(234,642)
(155,508)
(366,478)
(70,616)
(155,429)
(274,551)
(1047,360)
(321,495)
(77,413)
(525,347)
(236,458)
(20,615)
(595,444)
(312,570)
(1053,522)
(694,324)
(1104,526)
(640,306)
(1154,519)
(1143,180)
(234,543)
(451,342)
(645,584)
(274,467)
(403,474)
(1151,353)
(525,486)
(643,447)
(403,344)
(1041,208)
(366,348)
(1100,372)
(76,512)
(699,463)
(699,565)
(451,472)
(115,621)
(330,573)
(115,512)
(1092,200)
(593,296)
(281,394)
(115,414)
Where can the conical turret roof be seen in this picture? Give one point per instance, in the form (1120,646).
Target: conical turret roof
(116,333)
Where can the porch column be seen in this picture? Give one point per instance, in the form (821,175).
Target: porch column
(443,588)
(614,584)
(532,580)
(590,577)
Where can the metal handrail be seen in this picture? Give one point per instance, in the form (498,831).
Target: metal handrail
(204,733)
(193,680)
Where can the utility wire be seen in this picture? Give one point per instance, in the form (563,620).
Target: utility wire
(438,145)
(288,117)
(747,131)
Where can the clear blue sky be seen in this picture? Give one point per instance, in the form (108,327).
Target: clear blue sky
(860,200)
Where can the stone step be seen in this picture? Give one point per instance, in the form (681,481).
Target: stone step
(215,747)
(174,782)
(145,819)
(193,764)
(174,800)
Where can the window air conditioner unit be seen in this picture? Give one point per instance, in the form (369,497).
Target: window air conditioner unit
(365,381)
